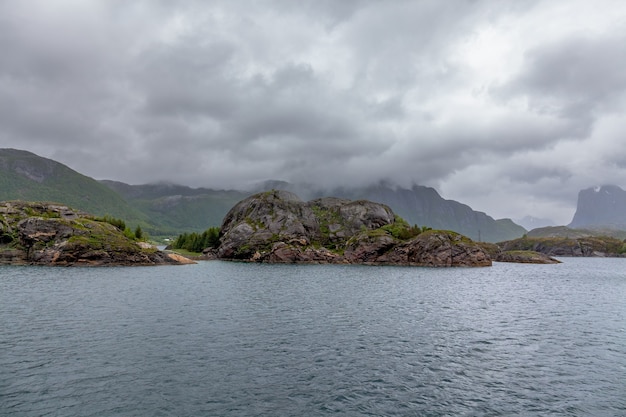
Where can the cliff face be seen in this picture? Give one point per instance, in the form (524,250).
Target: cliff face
(601,207)
(276,226)
(53,234)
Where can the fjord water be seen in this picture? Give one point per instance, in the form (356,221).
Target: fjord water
(233,339)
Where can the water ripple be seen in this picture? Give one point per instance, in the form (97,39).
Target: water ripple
(261,340)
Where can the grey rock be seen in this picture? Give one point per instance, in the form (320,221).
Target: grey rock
(278,227)
(53,234)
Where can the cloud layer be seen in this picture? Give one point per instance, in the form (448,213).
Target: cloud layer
(510,107)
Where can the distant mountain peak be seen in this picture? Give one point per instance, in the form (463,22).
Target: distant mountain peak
(601,207)
(530,222)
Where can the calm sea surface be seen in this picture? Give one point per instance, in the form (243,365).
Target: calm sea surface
(232,339)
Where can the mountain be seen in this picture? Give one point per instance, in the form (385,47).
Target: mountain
(179,208)
(417,205)
(530,222)
(601,208)
(425,207)
(169,209)
(29,177)
(193,209)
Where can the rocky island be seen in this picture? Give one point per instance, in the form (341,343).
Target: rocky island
(278,227)
(54,234)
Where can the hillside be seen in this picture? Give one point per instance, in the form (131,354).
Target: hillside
(176,207)
(167,209)
(29,177)
(192,209)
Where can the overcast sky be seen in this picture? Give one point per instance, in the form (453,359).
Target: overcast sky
(511,107)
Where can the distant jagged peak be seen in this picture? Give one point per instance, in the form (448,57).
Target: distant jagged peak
(606,188)
(601,207)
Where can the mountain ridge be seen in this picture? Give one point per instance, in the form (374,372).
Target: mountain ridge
(29,177)
(169,209)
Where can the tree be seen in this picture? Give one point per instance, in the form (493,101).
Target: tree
(197,242)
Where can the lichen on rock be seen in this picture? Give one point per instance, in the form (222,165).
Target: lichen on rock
(278,227)
(53,234)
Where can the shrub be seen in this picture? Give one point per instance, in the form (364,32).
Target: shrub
(400,229)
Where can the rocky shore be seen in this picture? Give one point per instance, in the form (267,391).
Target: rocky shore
(278,227)
(56,235)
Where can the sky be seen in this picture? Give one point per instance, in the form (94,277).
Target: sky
(511,107)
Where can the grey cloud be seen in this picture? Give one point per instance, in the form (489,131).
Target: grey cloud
(575,76)
(214,93)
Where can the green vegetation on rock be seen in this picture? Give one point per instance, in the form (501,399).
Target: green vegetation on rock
(52,234)
(27,177)
(279,227)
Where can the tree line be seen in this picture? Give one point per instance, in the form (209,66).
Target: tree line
(197,242)
(138,234)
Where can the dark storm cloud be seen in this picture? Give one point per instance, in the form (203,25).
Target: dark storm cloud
(488,101)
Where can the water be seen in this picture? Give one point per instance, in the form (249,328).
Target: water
(230,339)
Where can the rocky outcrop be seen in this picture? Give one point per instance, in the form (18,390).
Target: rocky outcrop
(590,246)
(526,257)
(278,227)
(431,248)
(53,234)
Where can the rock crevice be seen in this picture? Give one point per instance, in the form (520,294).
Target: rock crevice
(278,227)
(52,234)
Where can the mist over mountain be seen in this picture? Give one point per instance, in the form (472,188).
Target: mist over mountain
(530,222)
(166,208)
(601,207)
(417,205)
(188,209)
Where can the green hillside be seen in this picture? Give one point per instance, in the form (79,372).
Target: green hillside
(29,177)
(167,209)
(177,207)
